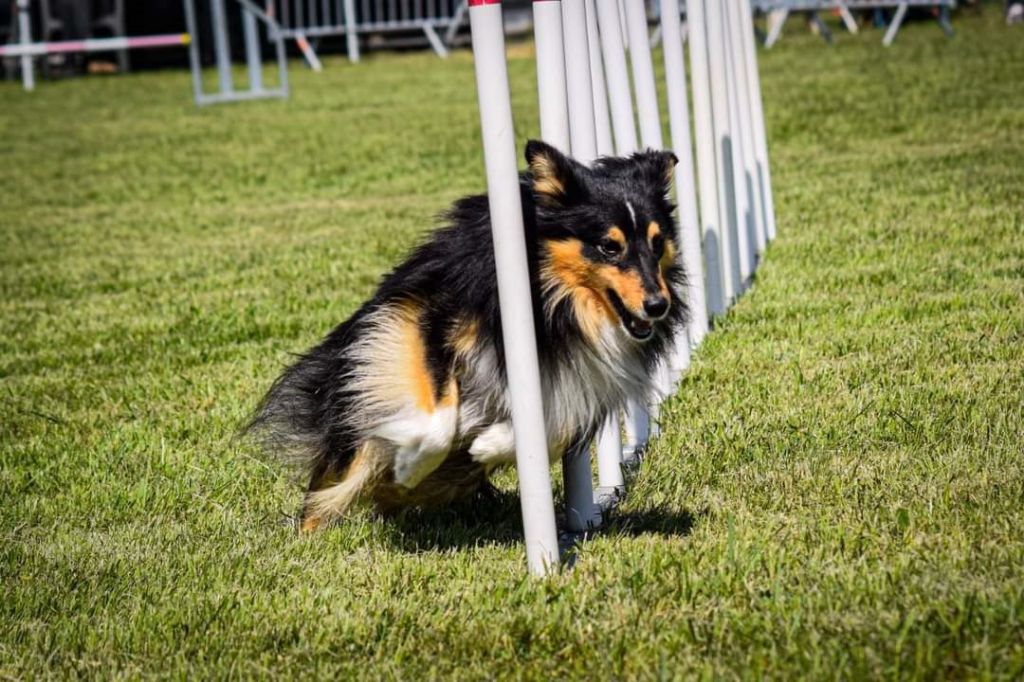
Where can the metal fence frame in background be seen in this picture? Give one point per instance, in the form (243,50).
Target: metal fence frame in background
(26,50)
(396,22)
(252,17)
(779,11)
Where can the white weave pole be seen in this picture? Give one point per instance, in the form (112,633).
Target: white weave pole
(602,120)
(609,18)
(643,74)
(611,483)
(620,99)
(704,144)
(622,23)
(745,256)
(581,511)
(717,70)
(522,367)
(639,417)
(686,193)
(580,92)
(554,110)
(637,427)
(609,441)
(705,152)
(752,187)
(760,137)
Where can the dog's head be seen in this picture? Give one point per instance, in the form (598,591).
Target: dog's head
(607,237)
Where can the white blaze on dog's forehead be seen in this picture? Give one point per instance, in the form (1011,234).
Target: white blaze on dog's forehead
(632,214)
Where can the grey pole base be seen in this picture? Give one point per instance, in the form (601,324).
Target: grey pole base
(632,457)
(607,497)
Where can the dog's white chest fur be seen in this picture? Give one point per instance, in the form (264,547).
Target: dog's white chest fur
(579,391)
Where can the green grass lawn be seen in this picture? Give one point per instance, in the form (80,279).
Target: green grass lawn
(838,493)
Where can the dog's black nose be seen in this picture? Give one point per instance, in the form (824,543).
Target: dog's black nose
(656,307)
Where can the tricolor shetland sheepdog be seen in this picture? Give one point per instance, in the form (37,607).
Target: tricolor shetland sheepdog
(406,403)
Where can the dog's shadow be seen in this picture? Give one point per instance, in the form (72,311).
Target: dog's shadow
(496,520)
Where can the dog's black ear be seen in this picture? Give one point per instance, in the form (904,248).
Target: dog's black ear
(658,168)
(556,177)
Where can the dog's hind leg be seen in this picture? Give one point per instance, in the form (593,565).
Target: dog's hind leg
(329,498)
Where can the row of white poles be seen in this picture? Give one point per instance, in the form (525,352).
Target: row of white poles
(587,109)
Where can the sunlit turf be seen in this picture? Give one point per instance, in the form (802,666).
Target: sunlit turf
(838,493)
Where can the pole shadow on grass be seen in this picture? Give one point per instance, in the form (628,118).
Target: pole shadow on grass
(495,518)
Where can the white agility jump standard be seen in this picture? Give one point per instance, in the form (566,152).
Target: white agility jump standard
(252,18)
(94,45)
(586,105)
(27,50)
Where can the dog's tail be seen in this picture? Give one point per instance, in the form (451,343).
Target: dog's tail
(334,497)
(285,422)
(302,418)
(298,421)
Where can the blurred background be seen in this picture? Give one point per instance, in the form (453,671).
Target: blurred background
(379,25)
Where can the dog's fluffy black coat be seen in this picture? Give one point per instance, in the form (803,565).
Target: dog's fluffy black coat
(405,402)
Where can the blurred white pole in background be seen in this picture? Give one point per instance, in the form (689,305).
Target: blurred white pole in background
(760,135)
(554,110)
(602,121)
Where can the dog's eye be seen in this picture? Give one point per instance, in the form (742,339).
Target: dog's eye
(609,248)
(658,245)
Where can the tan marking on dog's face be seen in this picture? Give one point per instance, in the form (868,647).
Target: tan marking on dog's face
(626,283)
(664,265)
(653,230)
(566,262)
(668,255)
(668,258)
(617,235)
(567,273)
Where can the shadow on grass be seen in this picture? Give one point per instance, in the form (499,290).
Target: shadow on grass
(494,518)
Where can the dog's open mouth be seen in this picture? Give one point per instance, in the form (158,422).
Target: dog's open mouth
(640,330)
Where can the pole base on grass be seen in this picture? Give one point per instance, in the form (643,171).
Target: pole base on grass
(607,497)
(589,521)
(632,457)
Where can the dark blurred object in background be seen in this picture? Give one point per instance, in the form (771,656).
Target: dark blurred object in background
(155,17)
